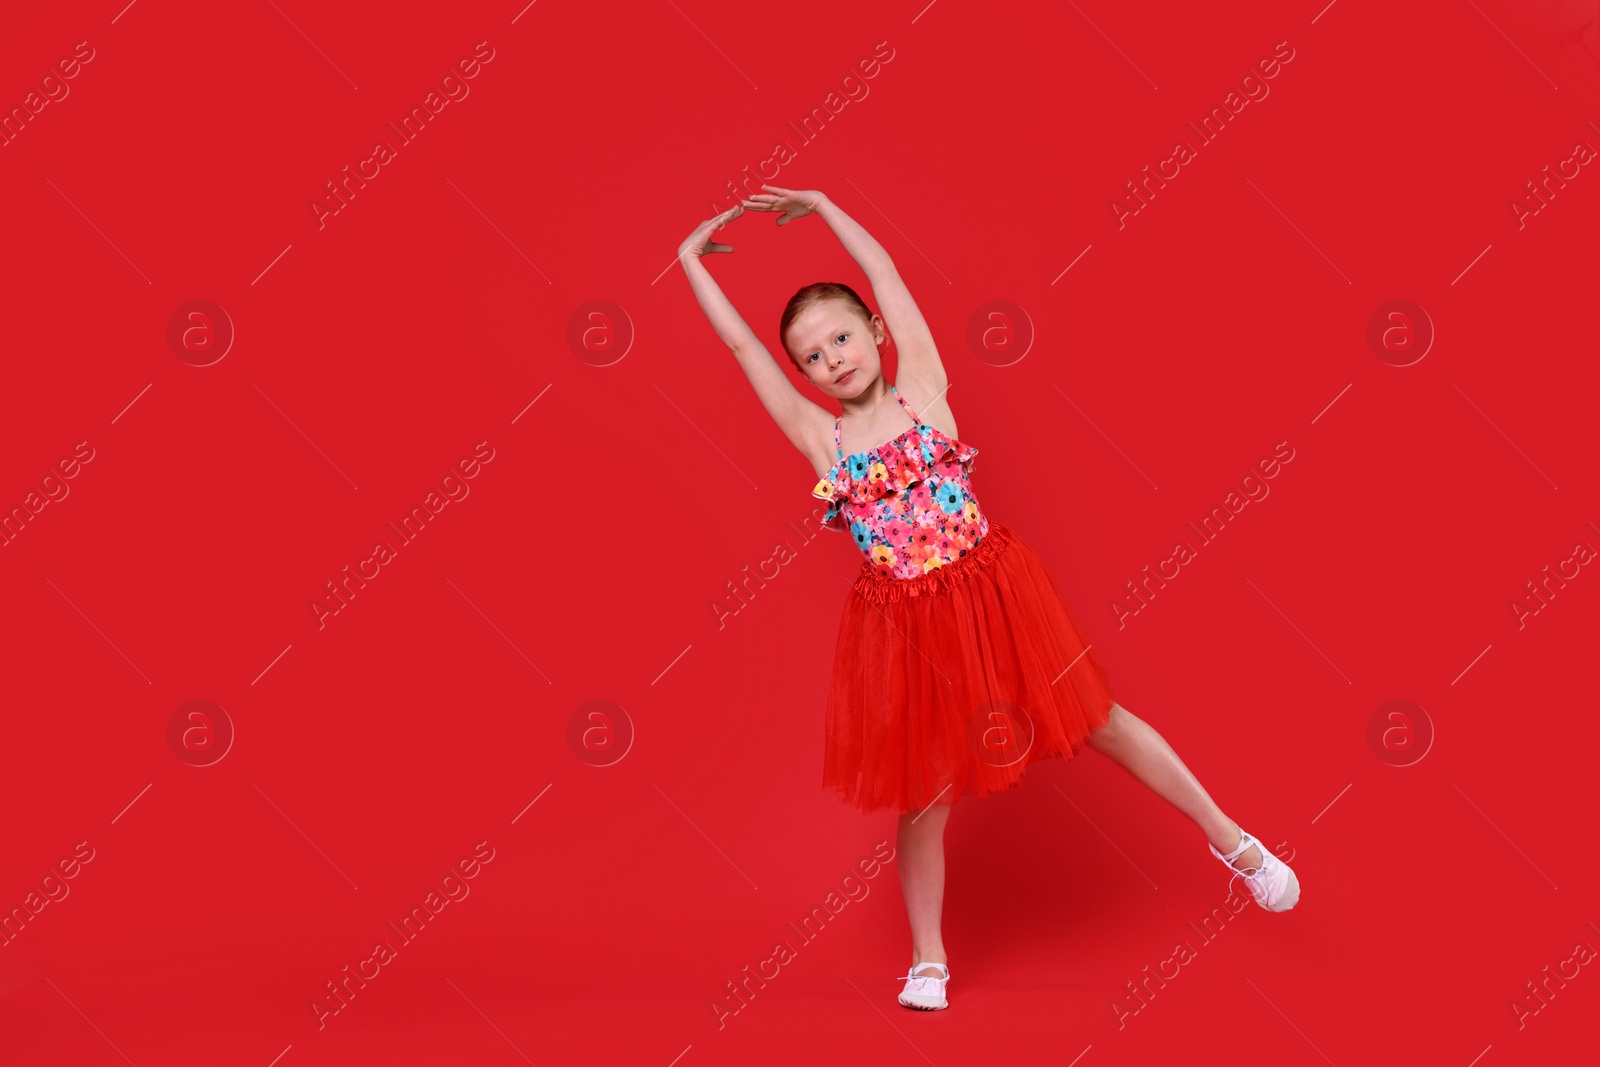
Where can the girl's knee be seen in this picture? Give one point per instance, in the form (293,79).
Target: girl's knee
(1112,729)
(927,820)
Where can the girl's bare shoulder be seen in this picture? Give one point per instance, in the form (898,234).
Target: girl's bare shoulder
(930,400)
(818,446)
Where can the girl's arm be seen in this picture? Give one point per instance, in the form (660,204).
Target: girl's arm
(920,365)
(799,419)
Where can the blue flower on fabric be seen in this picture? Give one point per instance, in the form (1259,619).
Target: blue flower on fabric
(858,464)
(862,534)
(950,497)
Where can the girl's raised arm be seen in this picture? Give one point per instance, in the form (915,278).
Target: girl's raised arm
(802,421)
(920,366)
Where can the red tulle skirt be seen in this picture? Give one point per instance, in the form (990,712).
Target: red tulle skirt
(951,683)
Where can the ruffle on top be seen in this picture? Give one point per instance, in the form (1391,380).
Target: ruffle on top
(888,470)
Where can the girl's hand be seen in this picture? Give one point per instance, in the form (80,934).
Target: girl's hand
(699,242)
(794,204)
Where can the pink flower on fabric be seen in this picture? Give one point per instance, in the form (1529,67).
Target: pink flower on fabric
(897,531)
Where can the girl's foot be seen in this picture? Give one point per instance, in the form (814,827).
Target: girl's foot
(1270,881)
(925,987)
(1248,859)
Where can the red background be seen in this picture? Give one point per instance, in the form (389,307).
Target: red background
(375,351)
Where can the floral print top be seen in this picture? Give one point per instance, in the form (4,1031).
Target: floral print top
(907,503)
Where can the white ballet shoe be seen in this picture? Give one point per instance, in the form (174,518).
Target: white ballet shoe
(1272,884)
(925,992)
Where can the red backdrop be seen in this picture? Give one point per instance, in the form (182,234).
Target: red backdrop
(245,343)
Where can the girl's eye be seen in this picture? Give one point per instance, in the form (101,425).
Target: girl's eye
(808,358)
(843,335)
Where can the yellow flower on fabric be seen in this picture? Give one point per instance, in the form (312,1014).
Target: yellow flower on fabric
(877,472)
(931,563)
(824,489)
(883,555)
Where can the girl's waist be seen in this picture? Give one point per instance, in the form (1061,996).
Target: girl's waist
(880,586)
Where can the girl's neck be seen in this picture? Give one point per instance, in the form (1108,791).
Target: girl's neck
(866,406)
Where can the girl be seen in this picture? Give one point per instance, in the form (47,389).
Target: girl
(958,662)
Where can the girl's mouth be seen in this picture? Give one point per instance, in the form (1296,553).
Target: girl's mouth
(845,377)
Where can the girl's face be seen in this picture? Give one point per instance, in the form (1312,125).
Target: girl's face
(836,349)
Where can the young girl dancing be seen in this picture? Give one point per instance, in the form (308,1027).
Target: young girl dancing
(958,661)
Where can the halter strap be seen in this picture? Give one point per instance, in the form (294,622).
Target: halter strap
(839,422)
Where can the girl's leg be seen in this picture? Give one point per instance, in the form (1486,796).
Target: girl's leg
(1134,743)
(921,856)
